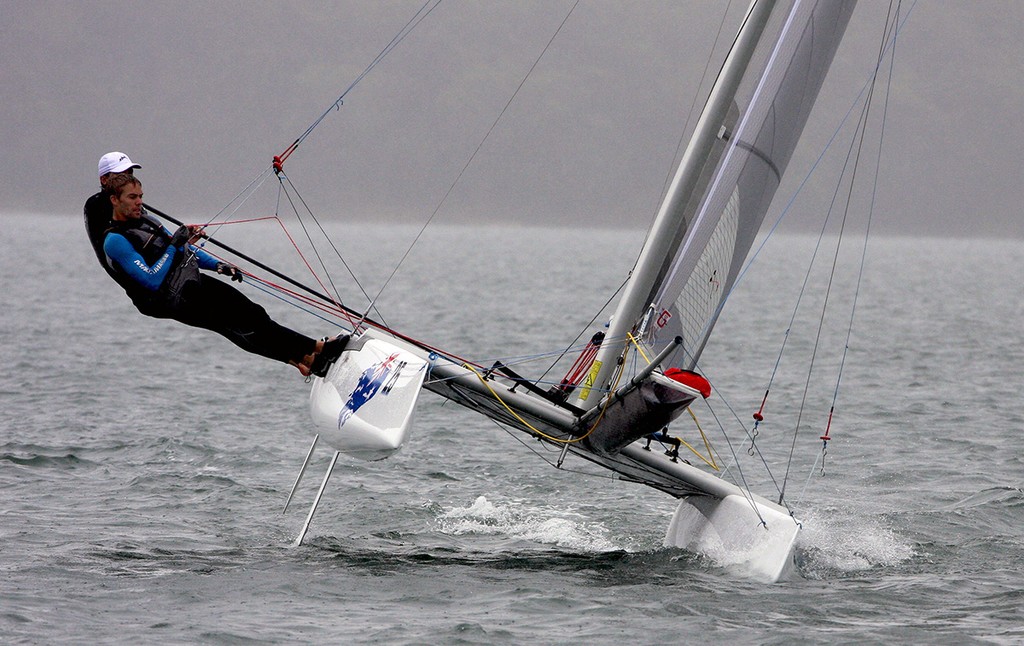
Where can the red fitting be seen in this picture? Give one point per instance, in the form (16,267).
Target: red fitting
(691,379)
(278,164)
(828,427)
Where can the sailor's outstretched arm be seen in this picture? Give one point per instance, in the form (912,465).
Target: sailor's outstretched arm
(120,252)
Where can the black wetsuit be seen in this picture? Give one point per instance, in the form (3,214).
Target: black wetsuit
(98,212)
(139,256)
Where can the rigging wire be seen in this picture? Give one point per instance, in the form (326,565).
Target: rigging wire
(856,148)
(901,24)
(278,162)
(867,230)
(277,166)
(413,22)
(668,179)
(285,179)
(465,167)
(282,190)
(745,489)
(722,428)
(241,197)
(583,331)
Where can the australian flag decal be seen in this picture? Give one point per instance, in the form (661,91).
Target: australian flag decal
(380,377)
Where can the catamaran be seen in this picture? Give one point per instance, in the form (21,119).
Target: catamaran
(637,376)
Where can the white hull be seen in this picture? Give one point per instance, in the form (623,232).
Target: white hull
(729,532)
(364,406)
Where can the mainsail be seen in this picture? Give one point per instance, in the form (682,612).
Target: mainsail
(708,220)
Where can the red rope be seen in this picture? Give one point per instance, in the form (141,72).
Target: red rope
(295,246)
(279,160)
(342,313)
(580,367)
(247,220)
(336,309)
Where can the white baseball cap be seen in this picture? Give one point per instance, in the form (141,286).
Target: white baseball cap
(116,162)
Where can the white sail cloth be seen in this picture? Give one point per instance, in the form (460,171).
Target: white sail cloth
(773,102)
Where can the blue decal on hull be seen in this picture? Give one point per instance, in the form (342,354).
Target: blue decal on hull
(369,384)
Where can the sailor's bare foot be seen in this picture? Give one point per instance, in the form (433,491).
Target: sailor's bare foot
(303,367)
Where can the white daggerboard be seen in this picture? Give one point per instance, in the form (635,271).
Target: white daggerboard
(363,407)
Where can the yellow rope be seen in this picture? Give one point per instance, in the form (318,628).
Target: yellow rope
(710,460)
(639,348)
(707,442)
(531,426)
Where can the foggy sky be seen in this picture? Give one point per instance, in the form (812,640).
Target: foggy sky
(203,94)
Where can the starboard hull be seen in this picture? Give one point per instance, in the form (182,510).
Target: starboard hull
(737,532)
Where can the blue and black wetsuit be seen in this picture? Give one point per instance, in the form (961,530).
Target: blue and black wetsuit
(163,281)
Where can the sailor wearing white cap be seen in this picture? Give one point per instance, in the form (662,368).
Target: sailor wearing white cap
(98,211)
(116,162)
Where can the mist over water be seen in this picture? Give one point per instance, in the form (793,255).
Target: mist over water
(144,465)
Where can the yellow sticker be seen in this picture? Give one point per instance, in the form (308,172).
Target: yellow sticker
(588,382)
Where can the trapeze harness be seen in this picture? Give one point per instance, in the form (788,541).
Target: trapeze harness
(159,281)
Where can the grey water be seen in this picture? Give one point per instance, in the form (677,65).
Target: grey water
(144,465)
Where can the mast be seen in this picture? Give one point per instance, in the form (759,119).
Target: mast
(670,222)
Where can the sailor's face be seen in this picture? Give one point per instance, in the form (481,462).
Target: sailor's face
(129,203)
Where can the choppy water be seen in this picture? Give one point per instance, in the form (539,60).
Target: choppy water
(144,465)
